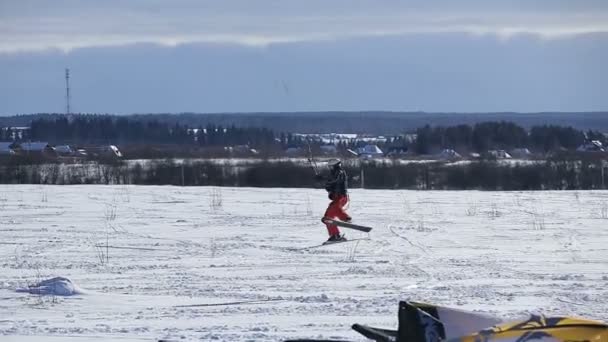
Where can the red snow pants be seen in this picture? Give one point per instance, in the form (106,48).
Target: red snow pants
(336,210)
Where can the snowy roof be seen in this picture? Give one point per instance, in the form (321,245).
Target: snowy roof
(449,153)
(64,149)
(591,146)
(115,150)
(370,149)
(34,146)
(346,136)
(500,154)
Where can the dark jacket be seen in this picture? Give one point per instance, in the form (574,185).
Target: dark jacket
(337,182)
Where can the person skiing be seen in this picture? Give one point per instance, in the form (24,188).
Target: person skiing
(336,185)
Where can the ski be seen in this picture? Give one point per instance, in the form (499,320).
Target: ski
(329,243)
(347,225)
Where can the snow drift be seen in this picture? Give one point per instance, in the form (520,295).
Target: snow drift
(58,286)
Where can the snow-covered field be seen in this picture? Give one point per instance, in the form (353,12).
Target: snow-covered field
(227,264)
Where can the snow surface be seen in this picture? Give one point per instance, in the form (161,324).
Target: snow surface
(202,263)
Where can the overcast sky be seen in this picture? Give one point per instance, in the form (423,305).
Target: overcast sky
(140,56)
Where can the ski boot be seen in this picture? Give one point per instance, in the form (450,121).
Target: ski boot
(336,238)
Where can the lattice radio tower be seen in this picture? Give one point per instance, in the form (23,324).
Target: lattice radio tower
(67,91)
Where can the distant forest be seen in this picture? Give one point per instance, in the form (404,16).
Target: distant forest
(502,135)
(368,122)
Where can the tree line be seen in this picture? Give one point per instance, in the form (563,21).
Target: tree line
(103,129)
(553,174)
(484,136)
(369,122)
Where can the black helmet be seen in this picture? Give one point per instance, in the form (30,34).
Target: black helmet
(334,163)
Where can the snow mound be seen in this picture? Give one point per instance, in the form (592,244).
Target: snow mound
(58,286)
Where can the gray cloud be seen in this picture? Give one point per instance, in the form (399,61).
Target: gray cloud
(431,72)
(286,55)
(61,24)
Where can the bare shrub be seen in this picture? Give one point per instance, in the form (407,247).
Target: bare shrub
(216,199)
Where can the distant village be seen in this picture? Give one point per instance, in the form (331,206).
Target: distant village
(370,148)
(45,151)
(330,145)
(90,137)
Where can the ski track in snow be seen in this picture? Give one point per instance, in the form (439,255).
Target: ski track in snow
(175,253)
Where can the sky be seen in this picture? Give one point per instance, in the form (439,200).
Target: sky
(152,56)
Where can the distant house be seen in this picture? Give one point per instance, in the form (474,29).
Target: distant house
(34,146)
(372,139)
(37,149)
(81,152)
(396,152)
(241,150)
(410,138)
(106,151)
(591,146)
(15,133)
(69,151)
(370,151)
(449,154)
(113,151)
(499,154)
(521,153)
(64,150)
(6,148)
